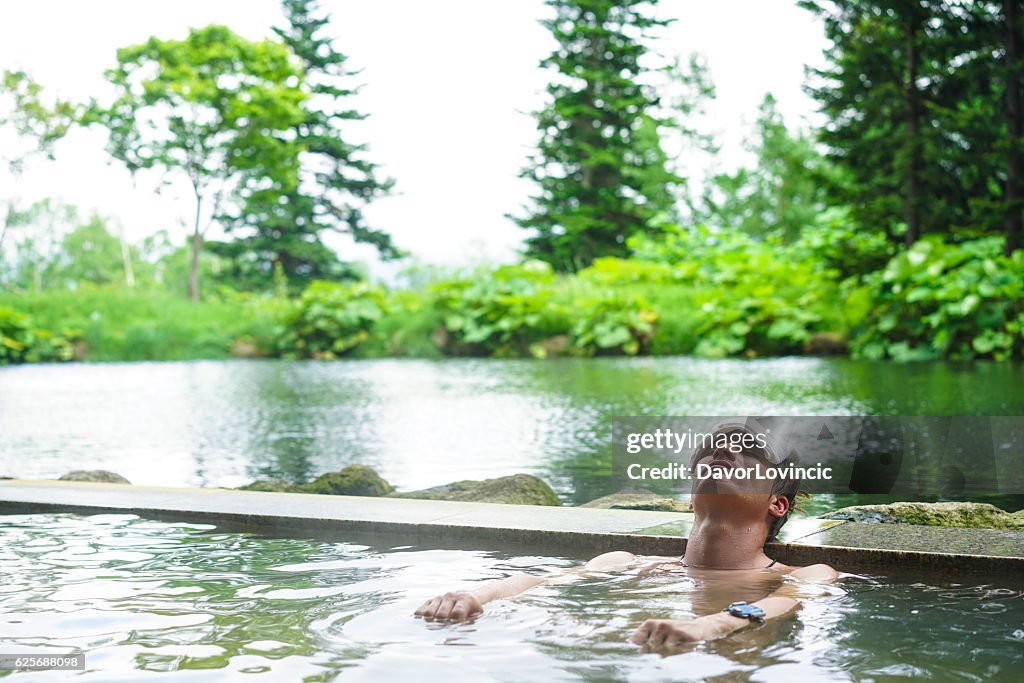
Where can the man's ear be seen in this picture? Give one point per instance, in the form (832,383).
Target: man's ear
(778,506)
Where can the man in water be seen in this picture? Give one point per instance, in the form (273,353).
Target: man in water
(733,518)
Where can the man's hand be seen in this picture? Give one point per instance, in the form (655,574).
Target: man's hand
(462,605)
(455,606)
(661,633)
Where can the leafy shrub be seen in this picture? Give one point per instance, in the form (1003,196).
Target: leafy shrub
(503,313)
(618,272)
(329,320)
(755,323)
(407,328)
(841,245)
(612,323)
(21,342)
(935,300)
(750,297)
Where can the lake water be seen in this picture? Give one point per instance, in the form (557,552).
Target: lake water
(147,600)
(425,423)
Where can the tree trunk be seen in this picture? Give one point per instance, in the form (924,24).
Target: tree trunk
(913,138)
(1012,194)
(8,221)
(126,261)
(197,245)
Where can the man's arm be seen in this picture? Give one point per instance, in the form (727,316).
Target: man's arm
(462,605)
(658,633)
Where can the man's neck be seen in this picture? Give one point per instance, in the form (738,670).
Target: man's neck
(725,544)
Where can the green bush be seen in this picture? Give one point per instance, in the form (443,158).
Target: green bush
(330,320)
(841,245)
(940,300)
(612,324)
(21,342)
(748,297)
(502,313)
(618,272)
(406,329)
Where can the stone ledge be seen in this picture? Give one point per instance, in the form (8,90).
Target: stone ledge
(845,545)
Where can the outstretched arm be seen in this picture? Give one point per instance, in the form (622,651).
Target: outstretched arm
(462,605)
(658,633)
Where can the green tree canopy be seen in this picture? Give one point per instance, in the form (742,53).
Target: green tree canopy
(923,100)
(283,225)
(599,167)
(36,126)
(214,108)
(783,192)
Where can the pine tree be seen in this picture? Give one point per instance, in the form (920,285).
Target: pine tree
(286,218)
(883,93)
(599,166)
(784,192)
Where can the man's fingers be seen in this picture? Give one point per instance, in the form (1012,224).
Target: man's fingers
(445,609)
(659,633)
(460,611)
(640,636)
(455,606)
(428,608)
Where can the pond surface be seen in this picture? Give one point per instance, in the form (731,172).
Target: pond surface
(426,423)
(144,598)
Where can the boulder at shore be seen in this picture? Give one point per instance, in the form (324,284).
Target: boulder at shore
(353,480)
(637,499)
(102,476)
(360,480)
(270,486)
(968,515)
(518,489)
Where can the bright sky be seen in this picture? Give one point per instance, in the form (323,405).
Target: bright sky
(447,83)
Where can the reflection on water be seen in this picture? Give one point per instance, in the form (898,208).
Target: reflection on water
(422,423)
(143,598)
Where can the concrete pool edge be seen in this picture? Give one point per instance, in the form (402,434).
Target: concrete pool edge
(845,545)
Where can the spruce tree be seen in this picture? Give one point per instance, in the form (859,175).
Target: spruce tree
(599,167)
(285,218)
(883,92)
(784,193)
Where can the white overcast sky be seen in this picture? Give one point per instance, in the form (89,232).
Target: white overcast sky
(446,82)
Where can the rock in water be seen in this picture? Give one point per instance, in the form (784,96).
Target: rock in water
(518,489)
(826,344)
(354,480)
(102,476)
(270,485)
(952,514)
(637,499)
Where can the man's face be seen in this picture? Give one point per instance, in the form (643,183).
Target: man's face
(719,465)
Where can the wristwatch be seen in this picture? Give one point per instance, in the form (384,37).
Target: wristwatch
(745,611)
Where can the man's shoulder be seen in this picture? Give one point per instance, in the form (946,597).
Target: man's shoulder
(815,573)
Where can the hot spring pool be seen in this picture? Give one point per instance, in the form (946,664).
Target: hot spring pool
(148,600)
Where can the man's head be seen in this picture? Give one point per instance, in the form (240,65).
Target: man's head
(721,492)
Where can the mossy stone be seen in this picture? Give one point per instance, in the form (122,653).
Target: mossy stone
(354,480)
(950,514)
(637,499)
(273,485)
(517,489)
(102,476)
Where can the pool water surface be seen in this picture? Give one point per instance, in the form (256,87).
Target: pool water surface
(143,599)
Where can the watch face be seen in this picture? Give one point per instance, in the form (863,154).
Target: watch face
(746,611)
